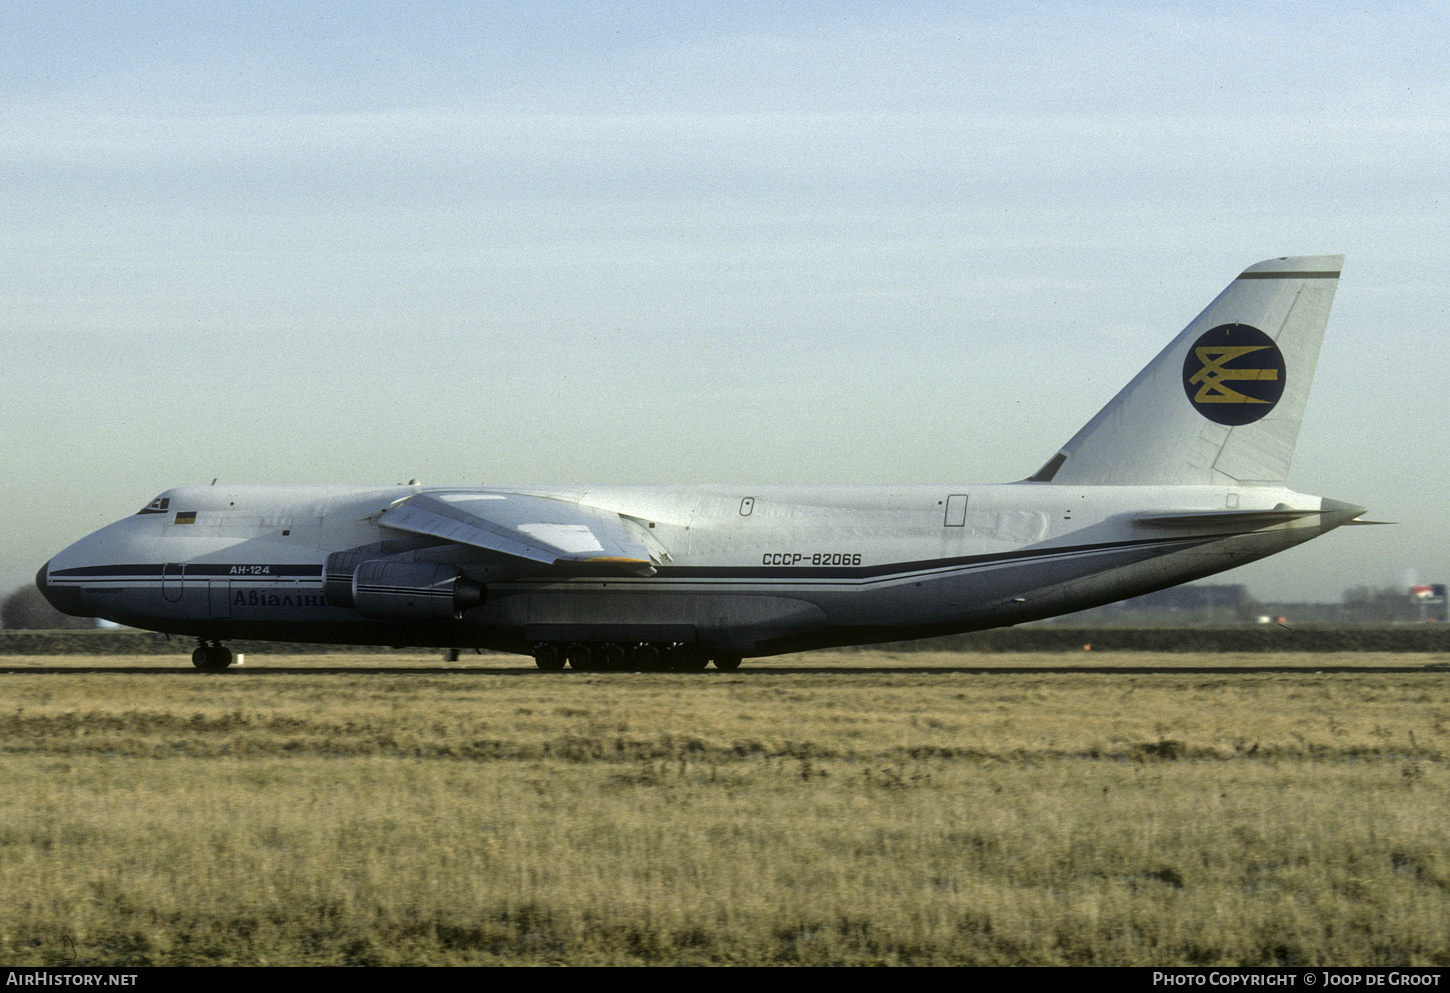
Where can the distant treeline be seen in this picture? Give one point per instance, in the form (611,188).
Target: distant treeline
(1032,638)
(1228,638)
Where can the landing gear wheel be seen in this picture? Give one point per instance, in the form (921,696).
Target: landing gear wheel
(582,657)
(610,656)
(211,658)
(549,657)
(727,663)
(688,658)
(646,658)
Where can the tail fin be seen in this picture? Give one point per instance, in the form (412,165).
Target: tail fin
(1222,404)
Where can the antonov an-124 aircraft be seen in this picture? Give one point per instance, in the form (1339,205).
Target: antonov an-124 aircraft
(1179,477)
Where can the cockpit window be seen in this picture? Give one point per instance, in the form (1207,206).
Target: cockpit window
(157,506)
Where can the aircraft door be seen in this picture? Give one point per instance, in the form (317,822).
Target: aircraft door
(220,591)
(171,581)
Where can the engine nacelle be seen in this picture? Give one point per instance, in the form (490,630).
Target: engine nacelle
(413,591)
(337,575)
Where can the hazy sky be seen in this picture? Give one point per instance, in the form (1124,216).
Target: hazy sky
(859,242)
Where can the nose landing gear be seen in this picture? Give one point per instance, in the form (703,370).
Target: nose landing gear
(213,657)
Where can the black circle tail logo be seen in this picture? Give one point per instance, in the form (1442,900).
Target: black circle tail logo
(1233,374)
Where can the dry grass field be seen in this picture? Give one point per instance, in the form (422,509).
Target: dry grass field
(837,809)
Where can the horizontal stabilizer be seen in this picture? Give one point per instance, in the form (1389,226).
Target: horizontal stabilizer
(1330,513)
(1216,518)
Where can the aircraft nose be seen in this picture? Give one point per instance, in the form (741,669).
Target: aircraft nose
(66,599)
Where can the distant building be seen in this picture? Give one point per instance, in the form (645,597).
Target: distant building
(1429,601)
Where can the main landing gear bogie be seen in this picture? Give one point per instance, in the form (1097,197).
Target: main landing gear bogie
(211,657)
(614,657)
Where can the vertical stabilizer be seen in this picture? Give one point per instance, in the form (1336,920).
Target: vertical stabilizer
(1222,404)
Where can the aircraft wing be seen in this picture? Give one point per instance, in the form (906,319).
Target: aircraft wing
(534,528)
